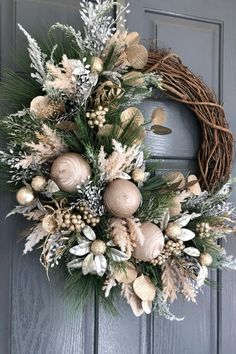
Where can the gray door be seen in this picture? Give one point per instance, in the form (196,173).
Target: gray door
(34,317)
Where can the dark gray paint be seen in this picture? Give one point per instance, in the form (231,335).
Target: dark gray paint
(34,316)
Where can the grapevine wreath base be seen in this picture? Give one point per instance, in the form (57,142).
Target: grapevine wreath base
(75,156)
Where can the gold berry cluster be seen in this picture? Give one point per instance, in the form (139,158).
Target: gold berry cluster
(171,248)
(97,117)
(88,215)
(72,222)
(203,229)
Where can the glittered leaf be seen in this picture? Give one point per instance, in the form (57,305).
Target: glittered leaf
(160,130)
(89,233)
(100,265)
(87,265)
(81,249)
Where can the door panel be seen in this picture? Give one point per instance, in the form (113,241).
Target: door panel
(35,318)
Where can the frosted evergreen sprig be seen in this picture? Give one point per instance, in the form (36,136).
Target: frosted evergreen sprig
(70,32)
(38,58)
(99,25)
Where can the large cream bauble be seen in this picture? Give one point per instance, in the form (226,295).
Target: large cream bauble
(152,245)
(122,198)
(69,171)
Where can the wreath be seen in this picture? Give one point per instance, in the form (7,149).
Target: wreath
(74,156)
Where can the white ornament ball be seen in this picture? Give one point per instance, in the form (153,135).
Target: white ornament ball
(70,171)
(122,198)
(39,183)
(205,259)
(152,245)
(25,196)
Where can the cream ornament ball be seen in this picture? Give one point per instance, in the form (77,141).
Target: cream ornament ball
(152,245)
(70,171)
(122,198)
(25,196)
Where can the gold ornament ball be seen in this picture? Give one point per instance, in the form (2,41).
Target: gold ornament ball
(97,65)
(122,198)
(152,245)
(98,247)
(173,230)
(70,171)
(39,183)
(205,259)
(25,196)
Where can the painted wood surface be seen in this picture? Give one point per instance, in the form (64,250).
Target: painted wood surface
(34,316)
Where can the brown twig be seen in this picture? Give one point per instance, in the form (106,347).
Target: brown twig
(216,151)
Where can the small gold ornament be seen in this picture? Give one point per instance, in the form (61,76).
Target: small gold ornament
(127,275)
(173,230)
(205,259)
(138,175)
(144,288)
(70,171)
(97,117)
(132,113)
(122,198)
(137,56)
(39,183)
(152,245)
(49,223)
(25,196)
(134,78)
(98,247)
(43,107)
(96,65)
(71,221)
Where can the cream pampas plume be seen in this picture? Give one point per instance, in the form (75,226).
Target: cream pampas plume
(119,163)
(125,233)
(48,147)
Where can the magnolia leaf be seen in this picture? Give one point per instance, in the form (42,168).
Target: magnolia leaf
(81,249)
(100,265)
(186,235)
(160,130)
(192,251)
(87,265)
(147,306)
(202,275)
(184,220)
(89,233)
(75,264)
(118,256)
